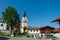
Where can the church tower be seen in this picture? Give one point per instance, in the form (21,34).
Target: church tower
(24,22)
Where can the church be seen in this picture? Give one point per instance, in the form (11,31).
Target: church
(46,31)
(33,31)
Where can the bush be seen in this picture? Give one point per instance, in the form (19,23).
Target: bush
(16,33)
(26,34)
(32,36)
(53,39)
(1,34)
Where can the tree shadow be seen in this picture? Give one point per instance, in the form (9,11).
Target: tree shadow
(4,38)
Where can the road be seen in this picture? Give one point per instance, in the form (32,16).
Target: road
(20,38)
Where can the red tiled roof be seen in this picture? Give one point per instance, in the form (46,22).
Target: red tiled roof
(33,28)
(56,30)
(19,25)
(1,20)
(46,27)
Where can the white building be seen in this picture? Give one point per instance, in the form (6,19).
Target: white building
(34,31)
(3,25)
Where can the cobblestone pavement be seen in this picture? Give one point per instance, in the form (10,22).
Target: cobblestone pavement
(20,38)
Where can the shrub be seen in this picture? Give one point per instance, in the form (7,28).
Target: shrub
(26,34)
(1,34)
(53,39)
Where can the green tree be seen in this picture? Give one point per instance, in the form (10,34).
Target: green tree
(11,17)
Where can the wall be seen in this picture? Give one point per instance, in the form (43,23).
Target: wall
(6,32)
(34,33)
(3,26)
(57,35)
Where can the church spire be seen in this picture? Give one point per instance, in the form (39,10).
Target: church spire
(24,14)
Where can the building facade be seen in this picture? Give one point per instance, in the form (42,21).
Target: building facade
(3,25)
(34,32)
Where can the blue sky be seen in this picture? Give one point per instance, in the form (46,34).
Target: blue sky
(39,12)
